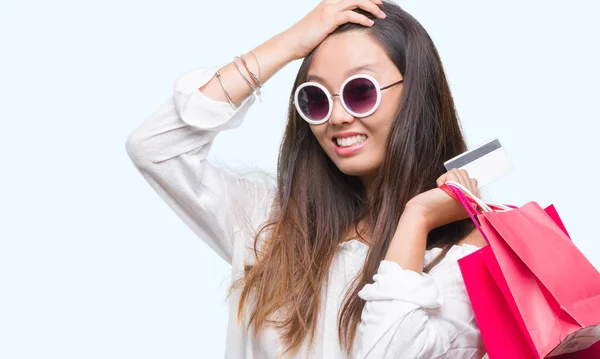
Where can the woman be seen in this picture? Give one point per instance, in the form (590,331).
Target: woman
(353,252)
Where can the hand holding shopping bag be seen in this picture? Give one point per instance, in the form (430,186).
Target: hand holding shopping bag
(533,292)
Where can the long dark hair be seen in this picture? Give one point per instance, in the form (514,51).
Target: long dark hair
(317,205)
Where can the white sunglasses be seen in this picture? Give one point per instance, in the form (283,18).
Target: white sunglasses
(360,95)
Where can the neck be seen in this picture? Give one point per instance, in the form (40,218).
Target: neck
(368,182)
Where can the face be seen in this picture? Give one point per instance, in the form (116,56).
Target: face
(355,144)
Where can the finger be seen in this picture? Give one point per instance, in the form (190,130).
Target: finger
(469,182)
(441,179)
(351,16)
(475,187)
(448,176)
(366,5)
(472,184)
(464,178)
(460,177)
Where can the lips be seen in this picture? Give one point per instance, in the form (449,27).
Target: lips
(349,148)
(345,136)
(349,141)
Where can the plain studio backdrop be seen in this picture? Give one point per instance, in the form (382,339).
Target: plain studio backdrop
(93,264)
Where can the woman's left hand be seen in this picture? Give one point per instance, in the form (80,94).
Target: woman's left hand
(436,207)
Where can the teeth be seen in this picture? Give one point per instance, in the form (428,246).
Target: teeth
(350,141)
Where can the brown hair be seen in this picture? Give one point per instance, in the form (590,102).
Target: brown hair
(317,205)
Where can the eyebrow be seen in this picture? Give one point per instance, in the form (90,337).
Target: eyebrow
(347,73)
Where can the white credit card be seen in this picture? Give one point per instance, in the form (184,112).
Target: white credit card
(486,163)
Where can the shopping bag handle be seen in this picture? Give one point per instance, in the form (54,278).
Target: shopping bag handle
(471,202)
(474,203)
(471,210)
(471,205)
(486,206)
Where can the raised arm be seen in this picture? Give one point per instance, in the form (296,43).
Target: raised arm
(419,316)
(410,314)
(171,146)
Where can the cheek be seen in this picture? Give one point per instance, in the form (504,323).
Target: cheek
(385,119)
(379,132)
(379,143)
(390,101)
(320,134)
(380,126)
(390,109)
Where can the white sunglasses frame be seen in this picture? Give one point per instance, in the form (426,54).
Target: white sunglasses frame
(378,88)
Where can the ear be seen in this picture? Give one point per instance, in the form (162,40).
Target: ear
(474,238)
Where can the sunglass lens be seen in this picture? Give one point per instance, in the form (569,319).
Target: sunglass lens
(360,95)
(313,103)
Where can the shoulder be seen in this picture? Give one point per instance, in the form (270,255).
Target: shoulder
(474,238)
(438,257)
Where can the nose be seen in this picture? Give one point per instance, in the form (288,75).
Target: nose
(339,115)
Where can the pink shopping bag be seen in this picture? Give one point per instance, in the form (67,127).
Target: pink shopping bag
(534,294)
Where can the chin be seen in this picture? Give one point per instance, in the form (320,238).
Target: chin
(355,169)
(361,165)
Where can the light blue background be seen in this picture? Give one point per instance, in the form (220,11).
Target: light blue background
(93,264)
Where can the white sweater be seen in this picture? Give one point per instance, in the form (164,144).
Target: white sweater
(407,315)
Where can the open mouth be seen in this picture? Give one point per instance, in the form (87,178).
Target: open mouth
(344,142)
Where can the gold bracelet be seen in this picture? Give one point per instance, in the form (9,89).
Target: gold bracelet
(257,63)
(258,84)
(240,71)
(233,106)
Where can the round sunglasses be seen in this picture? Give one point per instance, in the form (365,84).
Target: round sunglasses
(360,95)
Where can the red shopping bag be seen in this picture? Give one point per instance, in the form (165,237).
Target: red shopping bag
(592,352)
(534,294)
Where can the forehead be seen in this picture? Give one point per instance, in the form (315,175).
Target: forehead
(342,55)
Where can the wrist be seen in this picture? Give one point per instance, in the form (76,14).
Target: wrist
(283,46)
(408,245)
(417,217)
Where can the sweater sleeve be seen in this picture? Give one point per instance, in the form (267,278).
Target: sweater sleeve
(170,150)
(411,315)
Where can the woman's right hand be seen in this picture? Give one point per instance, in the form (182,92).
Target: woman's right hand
(312,29)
